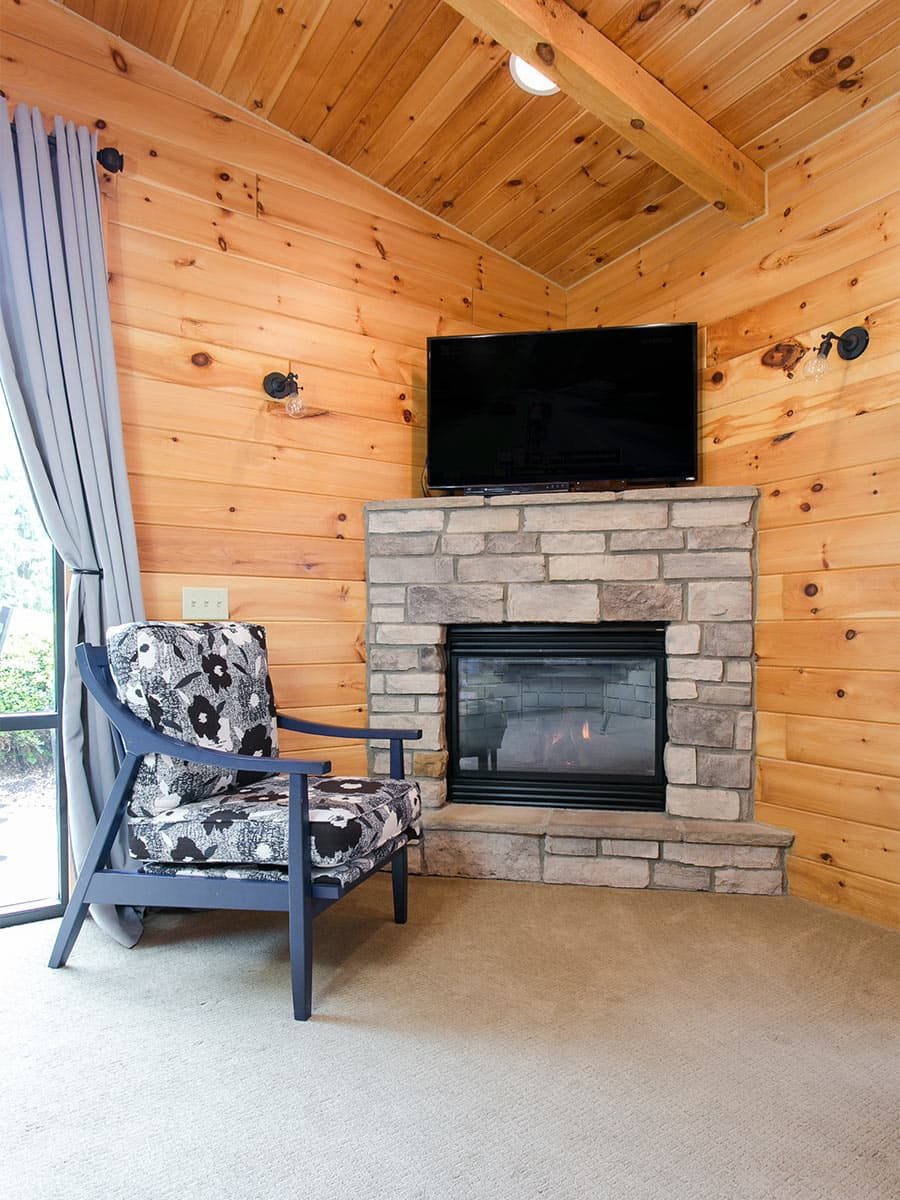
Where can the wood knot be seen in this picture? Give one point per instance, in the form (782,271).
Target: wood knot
(720,205)
(819,55)
(201,359)
(784,355)
(649,10)
(545,53)
(805,506)
(119,60)
(637,123)
(811,589)
(840,693)
(717,377)
(845,63)
(850,635)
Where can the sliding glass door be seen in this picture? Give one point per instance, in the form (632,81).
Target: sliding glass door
(33,836)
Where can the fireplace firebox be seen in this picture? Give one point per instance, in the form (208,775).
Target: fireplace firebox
(557,715)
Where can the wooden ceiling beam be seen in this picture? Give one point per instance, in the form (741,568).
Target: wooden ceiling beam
(600,77)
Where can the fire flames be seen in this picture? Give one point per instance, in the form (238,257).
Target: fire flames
(568,747)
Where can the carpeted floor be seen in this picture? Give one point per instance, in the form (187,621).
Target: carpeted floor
(513,1041)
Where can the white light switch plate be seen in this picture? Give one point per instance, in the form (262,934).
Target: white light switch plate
(204,604)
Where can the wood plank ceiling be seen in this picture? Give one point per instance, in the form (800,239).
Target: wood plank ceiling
(412,95)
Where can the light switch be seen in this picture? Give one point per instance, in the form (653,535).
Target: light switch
(204,604)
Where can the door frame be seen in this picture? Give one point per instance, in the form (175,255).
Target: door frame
(22,722)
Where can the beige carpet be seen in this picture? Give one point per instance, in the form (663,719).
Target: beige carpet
(513,1041)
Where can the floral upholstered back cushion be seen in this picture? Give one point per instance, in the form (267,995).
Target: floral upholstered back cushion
(207,684)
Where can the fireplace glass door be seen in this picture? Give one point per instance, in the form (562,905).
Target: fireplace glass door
(557,715)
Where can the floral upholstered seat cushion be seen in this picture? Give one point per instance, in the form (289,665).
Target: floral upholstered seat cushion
(207,684)
(350,818)
(344,875)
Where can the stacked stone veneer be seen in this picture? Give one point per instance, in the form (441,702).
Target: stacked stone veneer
(683,556)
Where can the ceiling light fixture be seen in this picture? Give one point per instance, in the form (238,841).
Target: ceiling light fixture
(529,79)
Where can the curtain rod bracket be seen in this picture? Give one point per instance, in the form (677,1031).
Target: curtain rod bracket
(111,159)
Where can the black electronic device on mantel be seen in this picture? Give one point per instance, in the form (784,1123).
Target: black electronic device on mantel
(573,407)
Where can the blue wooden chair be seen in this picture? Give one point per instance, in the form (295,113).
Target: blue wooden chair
(211,827)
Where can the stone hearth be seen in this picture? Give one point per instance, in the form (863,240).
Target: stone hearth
(683,556)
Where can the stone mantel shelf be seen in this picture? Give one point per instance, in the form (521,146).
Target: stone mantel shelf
(667,493)
(631,826)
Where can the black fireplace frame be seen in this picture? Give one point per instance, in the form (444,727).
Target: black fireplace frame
(604,640)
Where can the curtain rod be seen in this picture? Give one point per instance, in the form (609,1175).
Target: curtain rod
(109,158)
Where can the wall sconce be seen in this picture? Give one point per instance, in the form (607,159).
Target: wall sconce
(286,389)
(850,344)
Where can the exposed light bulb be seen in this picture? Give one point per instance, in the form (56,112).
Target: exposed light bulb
(293,406)
(815,368)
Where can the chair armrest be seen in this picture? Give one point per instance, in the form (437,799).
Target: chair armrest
(175,748)
(345,731)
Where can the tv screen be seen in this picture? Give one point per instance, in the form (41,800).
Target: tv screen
(574,406)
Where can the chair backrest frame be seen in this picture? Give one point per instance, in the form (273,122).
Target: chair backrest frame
(133,735)
(93,666)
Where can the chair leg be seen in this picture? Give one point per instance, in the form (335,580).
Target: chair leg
(300,936)
(399,879)
(95,859)
(300,898)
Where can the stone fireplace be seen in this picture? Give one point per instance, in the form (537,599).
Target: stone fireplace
(677,560)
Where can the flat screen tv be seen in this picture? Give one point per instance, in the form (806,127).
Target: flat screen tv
(577,406)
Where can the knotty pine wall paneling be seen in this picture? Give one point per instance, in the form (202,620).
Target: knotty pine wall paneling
(826,457)
(235,250)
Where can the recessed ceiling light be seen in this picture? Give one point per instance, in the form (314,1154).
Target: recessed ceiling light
(529,79)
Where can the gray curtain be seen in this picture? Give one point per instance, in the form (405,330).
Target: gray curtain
(58,374)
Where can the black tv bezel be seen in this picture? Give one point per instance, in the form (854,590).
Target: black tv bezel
(571,484)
